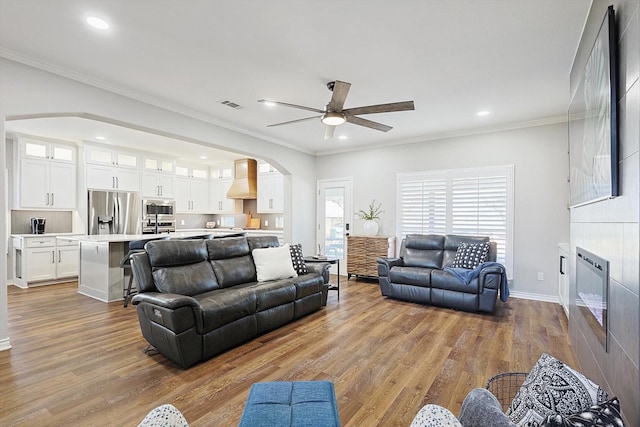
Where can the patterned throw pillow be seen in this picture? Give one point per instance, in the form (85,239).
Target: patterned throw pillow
(605,414)
(553,388)
(471,255)
(435,416)
(298,259)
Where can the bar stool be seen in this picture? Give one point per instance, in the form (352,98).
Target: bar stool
(134,247)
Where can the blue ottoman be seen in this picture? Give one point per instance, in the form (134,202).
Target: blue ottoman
(300,404)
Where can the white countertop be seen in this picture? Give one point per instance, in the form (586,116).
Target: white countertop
(45,235)
(111,238)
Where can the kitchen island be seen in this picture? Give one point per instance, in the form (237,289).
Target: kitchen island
(100,275)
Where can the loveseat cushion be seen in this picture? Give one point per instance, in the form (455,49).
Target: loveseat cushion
(223,306)
(417,276)
(442,279)
(273,294)
(307,284)
(423,250)
(228,247)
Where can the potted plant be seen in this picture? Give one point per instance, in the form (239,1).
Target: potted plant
(370,215)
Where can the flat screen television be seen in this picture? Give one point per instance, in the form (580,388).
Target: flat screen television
(593,122)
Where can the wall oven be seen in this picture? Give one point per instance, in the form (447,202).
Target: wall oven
(158,216)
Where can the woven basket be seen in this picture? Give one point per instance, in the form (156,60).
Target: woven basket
(505,386)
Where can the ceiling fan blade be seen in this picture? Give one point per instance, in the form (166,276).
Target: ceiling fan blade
(294,121)
(285,104)
(328,131)
(368,123)
(340,92)
(381,108)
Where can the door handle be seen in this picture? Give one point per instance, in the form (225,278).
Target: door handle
(47,199)
(562,257)
(52,203)
(117,182)
(53,257)
(59,256)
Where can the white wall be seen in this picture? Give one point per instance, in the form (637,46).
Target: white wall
(539,155)
(4,331)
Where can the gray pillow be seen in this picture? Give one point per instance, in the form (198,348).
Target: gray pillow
(481,409)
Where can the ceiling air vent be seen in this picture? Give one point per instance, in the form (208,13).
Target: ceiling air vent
(231,104)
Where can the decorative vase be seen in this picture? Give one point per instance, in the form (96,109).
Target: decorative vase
(370,227)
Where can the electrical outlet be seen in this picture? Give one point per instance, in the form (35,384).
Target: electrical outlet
(266,223)
(540,276)
(182,222)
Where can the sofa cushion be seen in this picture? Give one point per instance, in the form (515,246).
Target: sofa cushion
(553,388)
(274,293)
(260,242)
(228,247)
(298,259)
(234,271)
(273,263)
(190,279)
(604,414)
(423,250)
(417,276)
(442,279)
(307,284)
(223,306)
(164,253)
(470,255)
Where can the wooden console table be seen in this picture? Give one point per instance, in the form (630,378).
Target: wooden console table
(362,252)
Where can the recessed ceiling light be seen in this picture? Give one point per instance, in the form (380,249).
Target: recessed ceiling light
(98,23)
(483,113)
(268,103)
(203,157)
(343,137)
(101,138)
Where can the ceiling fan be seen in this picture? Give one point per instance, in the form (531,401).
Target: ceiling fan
(334,115)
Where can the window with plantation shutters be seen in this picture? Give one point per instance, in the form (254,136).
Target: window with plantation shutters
(463,201)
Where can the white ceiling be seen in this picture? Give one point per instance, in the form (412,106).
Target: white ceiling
(452,58)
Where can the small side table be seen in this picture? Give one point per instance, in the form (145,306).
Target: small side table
(329,260)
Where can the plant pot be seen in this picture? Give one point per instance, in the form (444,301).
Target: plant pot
(370,228)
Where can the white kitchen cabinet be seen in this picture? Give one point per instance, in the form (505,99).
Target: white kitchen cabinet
(270,193)
(161,165)
(158,185)
(192,195)
(51,184)
(47,173)
(219,203)
(42,260)
(108,169)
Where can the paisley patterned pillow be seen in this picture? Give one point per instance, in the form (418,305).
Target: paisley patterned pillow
(605,414)
(553,388)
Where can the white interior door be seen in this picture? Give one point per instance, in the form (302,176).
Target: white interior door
(334,218)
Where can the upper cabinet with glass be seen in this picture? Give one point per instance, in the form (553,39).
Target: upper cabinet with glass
(30,148)
(159,164)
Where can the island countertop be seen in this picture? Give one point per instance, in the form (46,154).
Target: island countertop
(112,238)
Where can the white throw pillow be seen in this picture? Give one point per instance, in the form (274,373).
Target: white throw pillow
(273,263)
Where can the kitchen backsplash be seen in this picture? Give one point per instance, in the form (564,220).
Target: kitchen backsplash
(57,222)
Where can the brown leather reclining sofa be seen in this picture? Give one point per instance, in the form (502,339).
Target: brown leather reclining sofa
(198,298)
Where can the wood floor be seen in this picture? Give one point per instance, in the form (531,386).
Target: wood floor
(77,361)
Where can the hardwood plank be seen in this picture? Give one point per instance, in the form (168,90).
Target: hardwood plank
(77,361)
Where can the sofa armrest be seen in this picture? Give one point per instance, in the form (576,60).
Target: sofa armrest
(491,277)
(385,265)
(166,300)
(322,268)
(174,311)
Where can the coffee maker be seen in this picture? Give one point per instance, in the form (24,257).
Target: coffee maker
(37,225)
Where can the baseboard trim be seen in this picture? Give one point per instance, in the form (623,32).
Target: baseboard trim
(534,297)
(4,344)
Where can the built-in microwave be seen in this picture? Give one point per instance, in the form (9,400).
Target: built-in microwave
(164,209)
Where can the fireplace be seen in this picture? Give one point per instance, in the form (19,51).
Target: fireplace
(592,292)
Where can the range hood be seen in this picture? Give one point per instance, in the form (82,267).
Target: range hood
(245,180)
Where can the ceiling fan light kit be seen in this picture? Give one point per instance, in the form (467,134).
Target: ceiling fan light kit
(334,115)
(331,118)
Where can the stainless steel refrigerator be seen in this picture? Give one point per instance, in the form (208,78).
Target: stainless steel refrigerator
(114,212)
